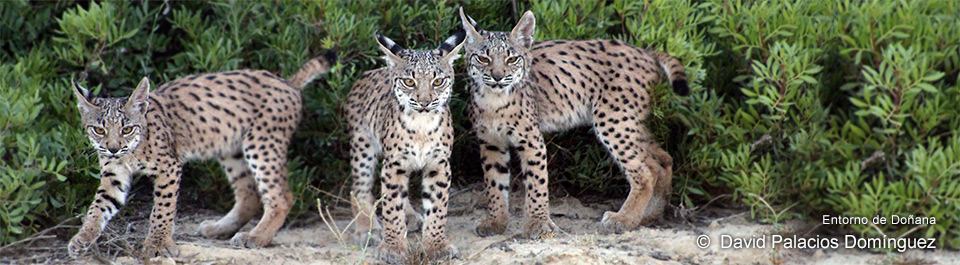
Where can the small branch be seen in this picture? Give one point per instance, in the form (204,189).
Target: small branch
(911,231)
(877,228)
(513,5)
(698,209)
(475,254)
(41,234)
(331,195)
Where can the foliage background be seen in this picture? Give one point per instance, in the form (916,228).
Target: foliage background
(812,107)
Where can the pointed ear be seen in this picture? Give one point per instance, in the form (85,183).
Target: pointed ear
(523,32)
(450,48)
(138,100)
(469,27)
(83,97)
(389,49)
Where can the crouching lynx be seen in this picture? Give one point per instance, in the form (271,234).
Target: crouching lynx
(242,118)
(400,113)
(522,89)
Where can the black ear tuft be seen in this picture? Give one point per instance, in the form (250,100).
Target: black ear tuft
(680,87)
(474,23)
(82,92)
(389,44)
(452,41)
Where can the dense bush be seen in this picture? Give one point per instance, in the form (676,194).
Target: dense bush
(843,107)
(846,108)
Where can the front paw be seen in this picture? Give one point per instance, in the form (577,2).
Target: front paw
(615,223)
(154,247)
(491,226)
(248,240)
(535,228)
(443,251)
(80,243)
(391,254)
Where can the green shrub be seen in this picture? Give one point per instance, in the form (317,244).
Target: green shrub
(38,151)
(842,108)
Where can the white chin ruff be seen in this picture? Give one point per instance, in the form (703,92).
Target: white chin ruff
(499,89)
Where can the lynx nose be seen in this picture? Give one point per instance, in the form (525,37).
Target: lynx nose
(497,77)
(113,150)
(424,103)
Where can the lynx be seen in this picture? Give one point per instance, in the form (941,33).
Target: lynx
(244,119)
(522,89)
(399,114)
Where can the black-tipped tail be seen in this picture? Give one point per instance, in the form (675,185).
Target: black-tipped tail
(680,87)
(674,71)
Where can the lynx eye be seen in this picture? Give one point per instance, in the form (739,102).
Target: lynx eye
(438,81)
(408,82)
(483,59)
(127,130)
(514,59)
(98,130)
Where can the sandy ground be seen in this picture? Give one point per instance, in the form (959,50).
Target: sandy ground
(312,242)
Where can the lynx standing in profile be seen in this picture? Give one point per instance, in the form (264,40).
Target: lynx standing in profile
(242,118)
(522,89)
(399,113)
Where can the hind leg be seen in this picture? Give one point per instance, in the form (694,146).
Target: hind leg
(266,156)
(622,139)
(663,171)
(246,200)
(414,218)
(649,142)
